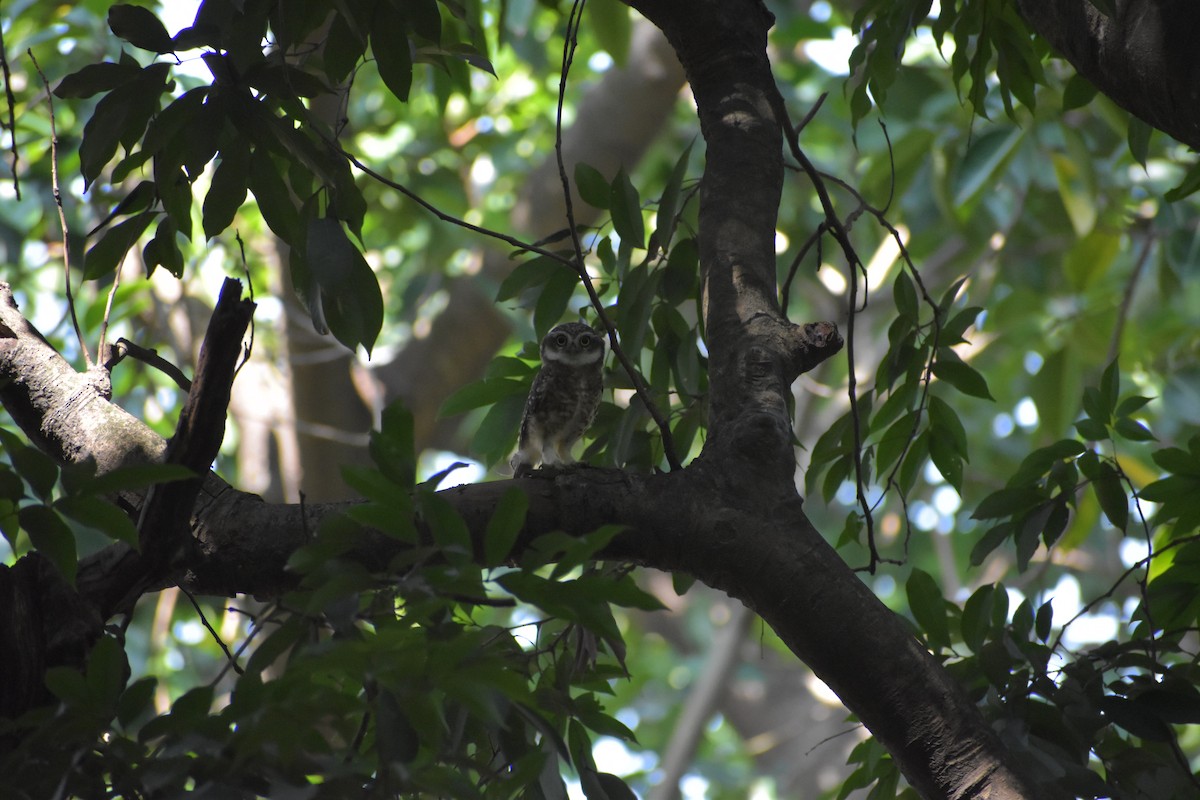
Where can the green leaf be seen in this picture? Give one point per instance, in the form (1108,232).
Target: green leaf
(1044,620)
(592,186)
(392,446)
(94,79)
(984,159)
(139,27)
(103,516)
(947,459)
(395,737)
(1076,192)
(163,249)
(928,607)
(1110,390)
(1179,706)
(1142,722)
(977,617)
(497,433)
(104,256)
(668,204)
(627,211)
(423,17)
(552,302)
(389,45)
(681,582)
(125,479)
(68,685)
(348,291)
(35,467)
(894,440)
(136,700)
(1178,461)
(1187,185)
(1091,257)
(225,196)
(682,271)
(139,198)
(1139,139)
(481,393)
(963,377)
(1091,430)
(570,552)
(51,537)
(504,527)
(528,274)
(610,22)
(952,332)
(107,668)
(447,527)
(1078,92)
(119,118)
(1131,404)
(274,199)
(1133,430)
(905,295)
(1110,491)
(989,542)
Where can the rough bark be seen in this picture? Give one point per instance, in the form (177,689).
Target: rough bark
(1144,57)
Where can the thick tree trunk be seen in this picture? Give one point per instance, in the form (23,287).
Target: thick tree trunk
(1144,57)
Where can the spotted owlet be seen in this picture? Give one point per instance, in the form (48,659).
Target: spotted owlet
(564,396)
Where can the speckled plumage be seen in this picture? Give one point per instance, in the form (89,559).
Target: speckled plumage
(563,399)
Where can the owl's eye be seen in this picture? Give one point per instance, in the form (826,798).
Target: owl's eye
(561,340)
(585,340)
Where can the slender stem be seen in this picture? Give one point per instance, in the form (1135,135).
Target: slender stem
(854,266)
(62,217)
(442,215)
(103,355)
(12,122)
(212,632)
(639,385)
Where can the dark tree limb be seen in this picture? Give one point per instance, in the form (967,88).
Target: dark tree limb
(1144,57)
(165,521)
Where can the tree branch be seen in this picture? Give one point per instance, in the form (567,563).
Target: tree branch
(1144,57)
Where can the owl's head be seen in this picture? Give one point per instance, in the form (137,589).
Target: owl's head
(573,344)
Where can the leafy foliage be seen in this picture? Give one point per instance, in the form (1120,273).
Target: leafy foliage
(1005,458)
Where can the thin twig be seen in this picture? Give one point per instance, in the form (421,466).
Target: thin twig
(104,355)
(249,346)
(814,238)
(1114,348)
(437,212)
(812,112)
(12,120)
(150,357)
(216,637)
(639,385)
(854,266)
(62,217)
(1143,563)
(256,626)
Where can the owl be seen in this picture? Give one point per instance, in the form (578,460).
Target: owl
(564,396)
